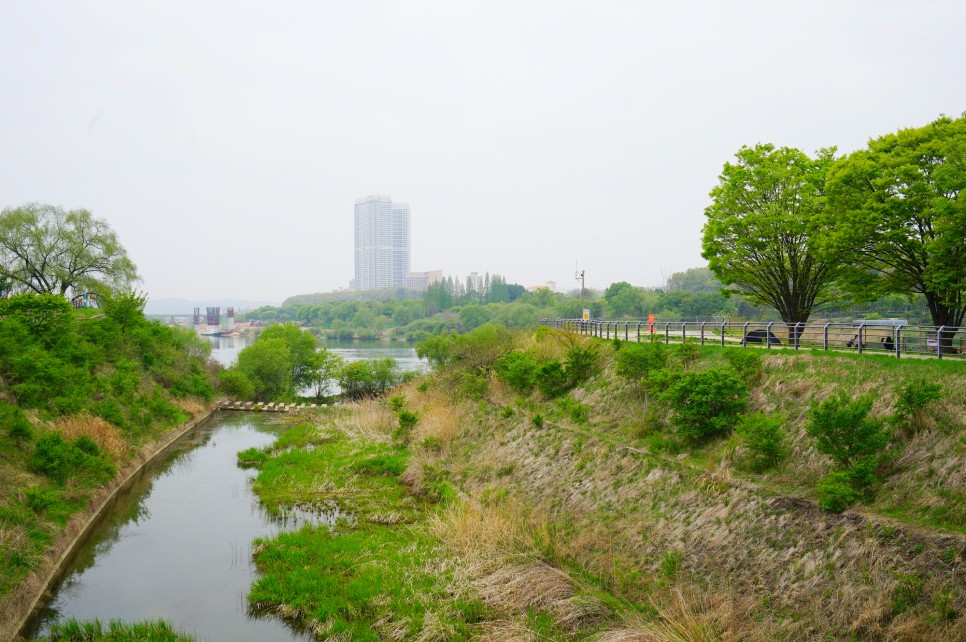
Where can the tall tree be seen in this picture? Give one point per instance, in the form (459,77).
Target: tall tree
(44,249)
(899,209)
(762,230)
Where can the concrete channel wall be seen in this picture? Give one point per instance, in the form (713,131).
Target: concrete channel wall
(17,608)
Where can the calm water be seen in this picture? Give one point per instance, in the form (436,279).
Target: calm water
(176,545)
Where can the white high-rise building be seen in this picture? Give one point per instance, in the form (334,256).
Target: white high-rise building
(382,243)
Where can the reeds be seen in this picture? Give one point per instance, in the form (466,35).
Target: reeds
(105,435)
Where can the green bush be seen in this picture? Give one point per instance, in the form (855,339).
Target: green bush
(252,458)
(636,360)
(764,438)
(581,363)
(472,384)
(844,431)
(707,402)
(407,420)
(40,499)
(914,398)
(577,411)
(59,459)
(687,353)
(747,363)
(397,403)
(15,422)
(836,492)
(538,420)
(518,370)
(552,379)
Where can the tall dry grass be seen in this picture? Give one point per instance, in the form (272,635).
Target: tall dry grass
(366,419)
(438,418)
(102,433)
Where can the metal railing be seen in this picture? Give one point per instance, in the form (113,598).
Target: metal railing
(880,337)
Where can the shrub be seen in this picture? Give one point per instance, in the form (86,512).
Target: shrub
(687,353)
(577,411)
(472,385)
(636,360)
(581,363)
(538,420)
(914,398)
(58,459)
(407,420)
(764,438)
(747,363)
(707,402)
(518,370)
(39,499)
(437,350)
(844,431)
(15,422)
(397,403)
(835,492)
(552,379)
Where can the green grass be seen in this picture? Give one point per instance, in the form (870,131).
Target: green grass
(94,631)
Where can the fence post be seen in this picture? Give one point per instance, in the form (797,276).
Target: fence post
(939,342)
(703,323)
(798,334)
(667,330)
(638,331)
(898,334)
(861,325)
(684,332)
(626,323)
(744,335)
(768,334)
(722,332)
(825,334)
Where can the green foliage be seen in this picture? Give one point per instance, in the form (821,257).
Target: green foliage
(552,379)
(397,403)
(234,383)
(483,347)
(761,233)
(472,384)
(746,363)
(897,209)
(844,431)
(125,308)
(582,363)
(40,499)
(705,403)
(45,316)
(93,631)
(44,249)
(636,360)
(765,439)
(301,352)
(407,420)
(578,412)
(687,353)
(914,399)
(267,364)
(15,423)
(538,420)
(836,491)
(252,458)
(59,459)
(367,378)
(390,464)
(518,370)
(322,370)
(438,350)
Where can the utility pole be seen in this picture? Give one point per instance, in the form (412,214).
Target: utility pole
(579,275)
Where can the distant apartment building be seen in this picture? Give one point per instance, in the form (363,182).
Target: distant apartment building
(382,243)
(422,280)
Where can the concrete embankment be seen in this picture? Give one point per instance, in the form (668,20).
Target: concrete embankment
(16,609)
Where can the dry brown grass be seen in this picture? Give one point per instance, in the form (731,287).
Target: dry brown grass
(438,418)
(105,435)
(367,419)
(681,618)
(189,406)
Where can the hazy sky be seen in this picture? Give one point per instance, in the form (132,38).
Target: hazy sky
(226,142)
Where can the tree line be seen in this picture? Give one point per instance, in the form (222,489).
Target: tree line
(795,232)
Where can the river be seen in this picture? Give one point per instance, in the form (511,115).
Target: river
(176,545)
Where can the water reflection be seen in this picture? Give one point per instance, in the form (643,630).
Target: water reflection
(177,545)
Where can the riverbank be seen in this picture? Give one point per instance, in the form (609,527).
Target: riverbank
(17,606)
(588,515)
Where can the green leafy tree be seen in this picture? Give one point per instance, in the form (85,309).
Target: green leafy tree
(623,300)
(706,402)
(126,308)
(301,350)
(324,368)
(899,209)
(761,233)
(46,316)
(44,249)
(843,430)
(699,279)
(268,365)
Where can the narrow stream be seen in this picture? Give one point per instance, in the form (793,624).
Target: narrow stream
(177,544)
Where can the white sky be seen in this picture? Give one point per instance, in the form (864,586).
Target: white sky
(226,141)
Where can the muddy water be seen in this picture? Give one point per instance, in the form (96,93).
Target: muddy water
(176,546)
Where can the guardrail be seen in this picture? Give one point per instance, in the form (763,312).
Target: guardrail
(878,336)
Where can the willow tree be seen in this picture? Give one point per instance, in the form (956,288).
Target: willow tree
(899,209)
(761,234)
(46,250)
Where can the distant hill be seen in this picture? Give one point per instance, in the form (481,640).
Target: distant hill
(186,306)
